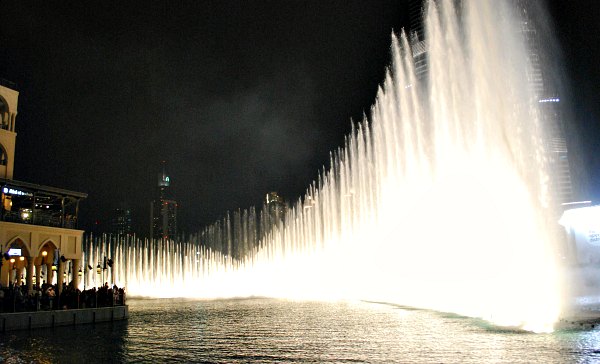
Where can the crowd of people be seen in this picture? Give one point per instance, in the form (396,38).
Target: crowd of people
(15,298)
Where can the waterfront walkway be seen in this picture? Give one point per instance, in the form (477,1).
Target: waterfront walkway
(15,299)
(44,308)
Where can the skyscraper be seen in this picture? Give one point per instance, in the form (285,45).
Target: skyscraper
(273,212)
(541,79)
(163,210)
(417,38)
(275,206)
(121,221)
(544,82)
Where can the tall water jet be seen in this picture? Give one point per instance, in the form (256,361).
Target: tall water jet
(441,200)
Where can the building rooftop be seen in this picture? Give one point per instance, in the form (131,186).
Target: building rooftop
(7,83)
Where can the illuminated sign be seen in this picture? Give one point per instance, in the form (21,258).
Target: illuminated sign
(163,180)
(14,251)
(12,191)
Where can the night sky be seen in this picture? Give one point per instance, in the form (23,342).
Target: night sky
(238,97)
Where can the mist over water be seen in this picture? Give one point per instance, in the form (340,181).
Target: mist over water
(441,200)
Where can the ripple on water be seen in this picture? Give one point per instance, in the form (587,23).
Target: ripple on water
(275,331)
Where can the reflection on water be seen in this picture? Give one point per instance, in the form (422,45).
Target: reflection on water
(266,330)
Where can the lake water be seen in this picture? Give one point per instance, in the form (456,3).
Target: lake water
(276,331)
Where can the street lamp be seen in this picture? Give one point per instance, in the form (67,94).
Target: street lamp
(99,271)
(88,268)
(44,255)
(108,263)
(79,274)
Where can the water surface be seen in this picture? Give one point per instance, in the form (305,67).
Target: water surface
(277,331)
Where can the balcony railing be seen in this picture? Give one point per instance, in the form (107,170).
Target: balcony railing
(40,218)
(29,203)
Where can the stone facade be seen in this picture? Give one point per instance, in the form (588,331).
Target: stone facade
(38,246)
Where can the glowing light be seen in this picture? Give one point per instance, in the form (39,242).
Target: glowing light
(554,100)
(12,191)
(576,203)
(14,251)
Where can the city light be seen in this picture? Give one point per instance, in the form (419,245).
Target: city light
(556,99)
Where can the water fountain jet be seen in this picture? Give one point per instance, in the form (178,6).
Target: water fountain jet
(441,200)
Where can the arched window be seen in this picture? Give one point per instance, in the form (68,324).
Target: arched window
(4,115)
(3,156)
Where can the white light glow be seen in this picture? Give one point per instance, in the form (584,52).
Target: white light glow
(554,100)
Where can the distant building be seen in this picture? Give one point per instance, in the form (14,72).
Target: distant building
(541,81)
(39,239)
(274,211)
(163,210)
(545,82)
(120,223)
(417,38)
(275,206)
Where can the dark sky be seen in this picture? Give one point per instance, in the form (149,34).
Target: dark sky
(238,97)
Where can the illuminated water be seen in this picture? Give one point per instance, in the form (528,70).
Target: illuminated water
(272,331)
(439,201)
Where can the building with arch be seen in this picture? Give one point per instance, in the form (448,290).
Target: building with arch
(39,239)
(8,115)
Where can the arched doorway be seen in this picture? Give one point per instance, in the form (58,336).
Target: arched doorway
(16,258)
(46,264)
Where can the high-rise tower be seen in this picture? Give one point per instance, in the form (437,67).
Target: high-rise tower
(163,210)
(417,38)
(275,207)
(545,84)
(121,221)
(541,79)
